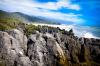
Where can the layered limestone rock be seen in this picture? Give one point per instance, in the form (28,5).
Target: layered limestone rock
(47,49)
(11,47)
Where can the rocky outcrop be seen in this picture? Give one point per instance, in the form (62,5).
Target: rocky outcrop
(47,49)
(13,45)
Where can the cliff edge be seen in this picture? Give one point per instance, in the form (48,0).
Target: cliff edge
(47,47)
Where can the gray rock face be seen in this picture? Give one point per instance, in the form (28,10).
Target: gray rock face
(36,47)
(23,61)
(47,49)
(12,46)
(43,50)
(20,37)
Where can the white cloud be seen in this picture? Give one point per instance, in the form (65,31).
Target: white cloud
(89,35)
(58,15)
(83,31)
(68,5)
(59,5)
(48,5)
(32,8)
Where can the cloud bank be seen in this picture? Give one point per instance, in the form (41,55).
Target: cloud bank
(48,9)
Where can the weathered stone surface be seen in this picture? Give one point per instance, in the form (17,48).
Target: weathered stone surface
(20,37)
(23,61)
(11,46)
(47,49)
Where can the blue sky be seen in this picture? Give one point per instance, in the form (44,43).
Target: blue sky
(81,12)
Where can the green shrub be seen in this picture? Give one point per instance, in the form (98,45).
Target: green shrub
(29,29)
(7,24)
